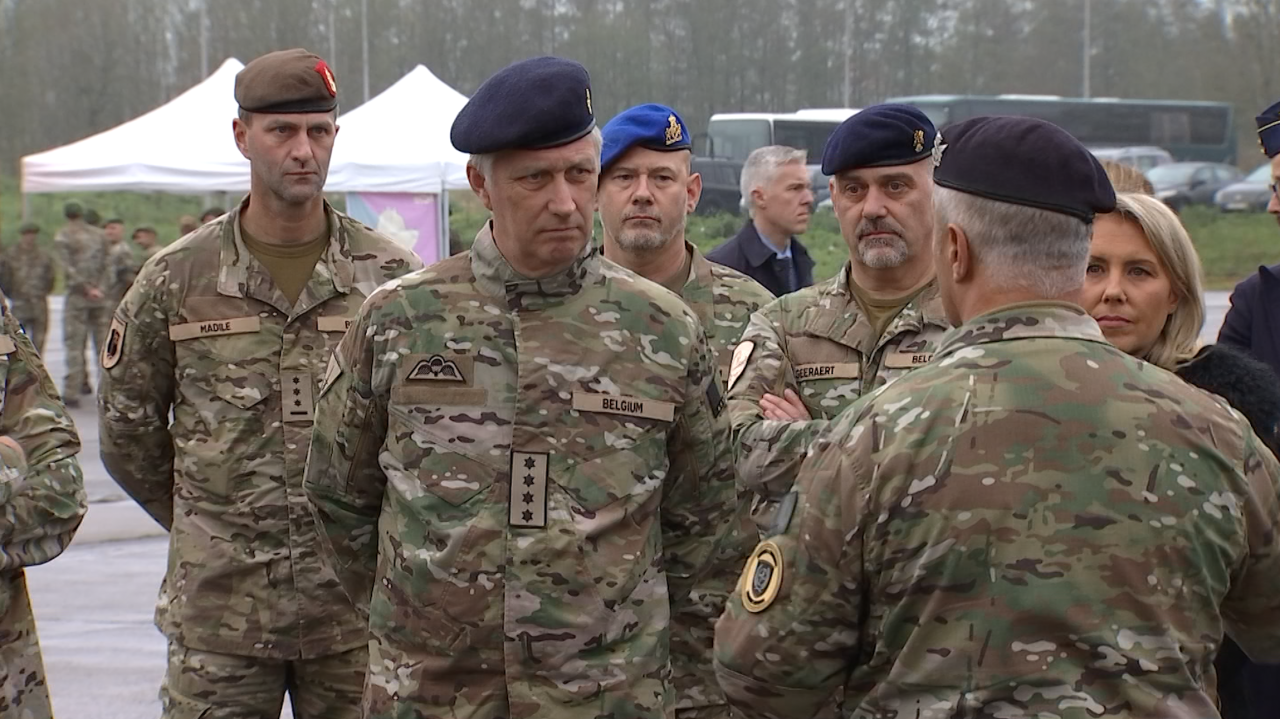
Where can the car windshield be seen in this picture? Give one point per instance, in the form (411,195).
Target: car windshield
(1261,176)
(1176,174)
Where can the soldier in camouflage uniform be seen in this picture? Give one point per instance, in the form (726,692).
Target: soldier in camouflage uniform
(27,281)
(1034,525)
(516,451)
(810,354)
(42,501)
(122,264)
(231,328)
(82,251)
(145,238)
(646,192)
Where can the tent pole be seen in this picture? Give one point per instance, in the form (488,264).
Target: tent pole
(445,245)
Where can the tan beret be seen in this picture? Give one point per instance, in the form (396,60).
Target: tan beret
(287,81)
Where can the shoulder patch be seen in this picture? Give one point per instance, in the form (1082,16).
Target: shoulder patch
(114,346)
(741,354)
(7,345)
(762,577)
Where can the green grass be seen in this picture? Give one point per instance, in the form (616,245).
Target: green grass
(1231,246)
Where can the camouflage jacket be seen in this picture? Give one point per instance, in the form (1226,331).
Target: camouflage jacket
(204,332)
(82,251)
(818,343)
(1034,525)
(28,275)
(122,268)
(527,477)
(42,501)
(723,300)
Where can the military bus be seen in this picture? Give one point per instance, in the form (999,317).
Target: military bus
(1188,130)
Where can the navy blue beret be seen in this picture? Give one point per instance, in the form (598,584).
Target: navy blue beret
(1023,161)
(530,105)
(879,136)
(656,127)
(1269,130)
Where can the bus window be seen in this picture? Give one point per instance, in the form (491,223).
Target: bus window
(808,136)
(735,139)
(1171,127)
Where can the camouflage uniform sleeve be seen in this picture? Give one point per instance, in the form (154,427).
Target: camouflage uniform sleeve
(48,275)
(137,392)
(43,507)
(344,481)
(789,635)
(1253,603)
(767,453)
(700,497)
(74,280)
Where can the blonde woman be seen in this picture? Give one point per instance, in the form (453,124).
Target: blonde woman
(1127,178)
(1143,286)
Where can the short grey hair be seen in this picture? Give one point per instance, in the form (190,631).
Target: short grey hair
(484,163)
(762,164)
(1042,251)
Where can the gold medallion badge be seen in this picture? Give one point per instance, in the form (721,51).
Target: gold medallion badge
(762,577)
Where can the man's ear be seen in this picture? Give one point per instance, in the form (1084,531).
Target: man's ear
(960,254)
(240,131)
(479,186)
(694,189)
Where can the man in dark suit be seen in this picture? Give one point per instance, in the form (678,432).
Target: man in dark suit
(776,185)
(1253,322)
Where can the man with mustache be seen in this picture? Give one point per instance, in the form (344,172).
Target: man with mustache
(230,330)
(519,461)
(646,192)
(808,355)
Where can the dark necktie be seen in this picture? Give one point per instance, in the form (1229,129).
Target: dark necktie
(786,272)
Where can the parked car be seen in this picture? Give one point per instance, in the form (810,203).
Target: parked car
(1181,184)
(1143,157)
(720,191)
(1252,194)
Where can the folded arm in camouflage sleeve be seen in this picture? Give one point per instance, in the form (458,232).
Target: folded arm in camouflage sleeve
(136,395)
(43,508)
(700,501)
(785,658)
(344,481)
(1253,604)
(768,453)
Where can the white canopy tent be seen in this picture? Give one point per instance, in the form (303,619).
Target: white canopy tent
(183,147)
(398,141)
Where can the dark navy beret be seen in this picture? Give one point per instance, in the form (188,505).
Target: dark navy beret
(656,127)
(530,105)
(879,136)
(1269,130)
(1023,161)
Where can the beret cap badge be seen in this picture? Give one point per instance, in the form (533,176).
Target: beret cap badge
(674,133)
(326,74)
(918,140)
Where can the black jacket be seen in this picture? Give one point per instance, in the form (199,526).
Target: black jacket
(1245,690)
(746,252)
(1253,322)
